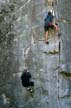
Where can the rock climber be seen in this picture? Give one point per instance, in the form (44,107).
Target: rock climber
(48,23)
(25,77)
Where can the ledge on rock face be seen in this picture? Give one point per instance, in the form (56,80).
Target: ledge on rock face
(53,52)
(64,93)
(67,74)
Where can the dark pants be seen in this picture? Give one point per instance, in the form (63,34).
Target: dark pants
(28,84)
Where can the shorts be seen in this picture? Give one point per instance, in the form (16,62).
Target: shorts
(47,27)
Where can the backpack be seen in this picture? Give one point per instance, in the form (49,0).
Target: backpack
(48,20)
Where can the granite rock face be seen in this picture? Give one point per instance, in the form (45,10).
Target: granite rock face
(22,43)
(64,11)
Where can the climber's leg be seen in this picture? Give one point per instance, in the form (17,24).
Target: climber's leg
(31,86)
(46,37)
(46,27)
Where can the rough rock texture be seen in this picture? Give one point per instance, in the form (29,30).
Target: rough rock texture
(26,46)
(64,11)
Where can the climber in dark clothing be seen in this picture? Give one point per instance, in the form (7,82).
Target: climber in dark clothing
(48,23)
(25,77)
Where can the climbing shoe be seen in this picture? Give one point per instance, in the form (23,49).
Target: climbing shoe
(28,89)
(31,91)
(47,42)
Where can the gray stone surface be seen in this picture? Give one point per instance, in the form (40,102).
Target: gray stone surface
(52,89)
(64,11)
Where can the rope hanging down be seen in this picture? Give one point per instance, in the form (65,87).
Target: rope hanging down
(59,104)
(59,34)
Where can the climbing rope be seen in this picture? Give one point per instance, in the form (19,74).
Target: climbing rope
(59,34)
(55,52)
(59,104)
